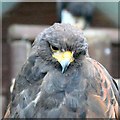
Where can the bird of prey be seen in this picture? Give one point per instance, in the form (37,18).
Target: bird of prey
(79,14)
(60,80)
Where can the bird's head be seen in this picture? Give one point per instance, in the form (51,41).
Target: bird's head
(61,43)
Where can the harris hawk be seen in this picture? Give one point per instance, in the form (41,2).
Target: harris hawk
(60,80)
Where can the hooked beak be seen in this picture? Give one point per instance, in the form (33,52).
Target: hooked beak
(64,58)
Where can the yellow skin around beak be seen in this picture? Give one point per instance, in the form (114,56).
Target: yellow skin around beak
(64,58)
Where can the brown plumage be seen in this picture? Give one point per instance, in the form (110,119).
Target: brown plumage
(51,86)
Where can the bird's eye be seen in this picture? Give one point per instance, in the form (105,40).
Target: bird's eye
(77,54)
(53,48)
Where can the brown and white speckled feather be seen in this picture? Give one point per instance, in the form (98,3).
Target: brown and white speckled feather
(84,90)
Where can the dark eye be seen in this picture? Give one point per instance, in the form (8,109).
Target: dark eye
(77,54)
(54,48)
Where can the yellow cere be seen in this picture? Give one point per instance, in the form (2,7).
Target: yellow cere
(60,56)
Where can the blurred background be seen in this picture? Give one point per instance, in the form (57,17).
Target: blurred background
(22,21)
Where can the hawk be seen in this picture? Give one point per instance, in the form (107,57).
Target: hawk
(79,14)
(60,80)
